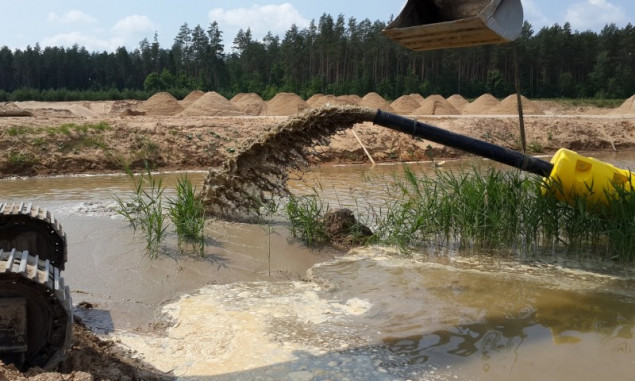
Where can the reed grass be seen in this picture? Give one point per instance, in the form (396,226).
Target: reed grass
(306,216)
(145,210)
(188,215)
(489,210)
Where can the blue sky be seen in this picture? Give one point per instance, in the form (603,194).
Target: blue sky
(106,25)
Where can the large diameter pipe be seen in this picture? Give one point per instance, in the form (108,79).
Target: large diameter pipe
(465,143)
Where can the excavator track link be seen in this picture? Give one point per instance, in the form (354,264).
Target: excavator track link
(24,226)
(35,311)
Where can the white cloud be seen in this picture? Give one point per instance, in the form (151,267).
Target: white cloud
(72,17)
(260,19)
(594,14)
(534,16)
(91,43)
(132,25)
(124,32)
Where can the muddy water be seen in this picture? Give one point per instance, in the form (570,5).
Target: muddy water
(108,266)
(370,315)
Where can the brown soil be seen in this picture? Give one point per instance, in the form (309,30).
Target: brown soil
(405,104)
(481,105)
(250,103)
(212,104)
(343,230)
(90,358)
(435,105)
(509,106)
(286,104)
(161,104)
(458,102)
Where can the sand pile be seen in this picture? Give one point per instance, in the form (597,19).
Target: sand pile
(314,100)
(249,103)
(327,100)
(509,106)
(627,108)
(191,98)
(286,104)
(435,105)
(258,170)
(212,104)
(405,104)
(375,101)
(353,100)
(481,105)
(417,97)
(10,109)
(458,102)
(161,104)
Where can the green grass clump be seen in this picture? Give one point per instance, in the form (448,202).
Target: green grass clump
(305,214)
(145,209)
(20,161)
(18,130)
(82,129)
(188,214)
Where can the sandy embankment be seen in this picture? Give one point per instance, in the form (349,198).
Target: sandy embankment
(203,130)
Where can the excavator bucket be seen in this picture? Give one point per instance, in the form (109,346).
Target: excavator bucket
(443,24)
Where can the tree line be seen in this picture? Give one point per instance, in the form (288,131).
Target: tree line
(334,55)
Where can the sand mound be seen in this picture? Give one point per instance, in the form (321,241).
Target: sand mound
(374,100)
(286,104)
(191,98)
(458,102)
(509,106)
(435,105)
(353,100)
(417,97)
(249,103)
(327,100)
(627,108)
(10,109)
(161,104)
(314,100)
(481,105)
(212,104)
(405,104)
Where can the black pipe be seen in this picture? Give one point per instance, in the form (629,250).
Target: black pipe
(465,143)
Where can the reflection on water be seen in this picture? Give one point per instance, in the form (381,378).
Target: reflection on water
(487,325)
(79,188)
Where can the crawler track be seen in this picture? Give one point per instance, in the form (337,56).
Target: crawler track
(37,331)
(27,227)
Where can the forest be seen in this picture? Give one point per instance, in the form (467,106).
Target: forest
(334,55)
